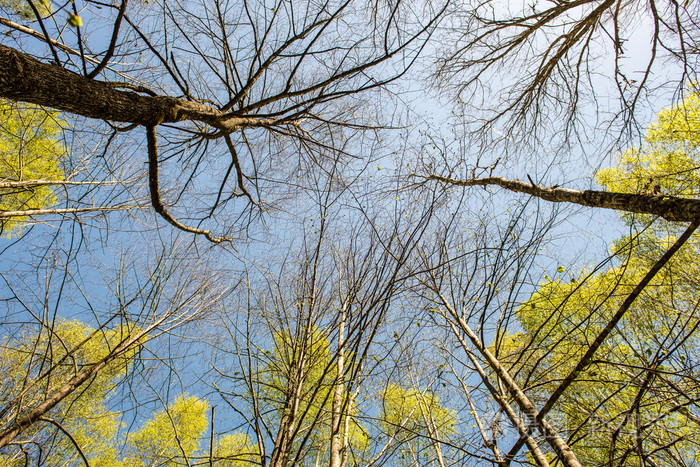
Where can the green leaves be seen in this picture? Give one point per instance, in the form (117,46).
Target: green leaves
(30,149)
(667,161)
(74,20)
(560,320)
(171,433)
(37,364)
(22,8)
(411,410)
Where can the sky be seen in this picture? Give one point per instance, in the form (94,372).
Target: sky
(79,276)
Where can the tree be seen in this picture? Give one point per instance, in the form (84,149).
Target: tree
(301,343)
(414,419)
(80,426)
(259,84)
(634,401)
(470,293)
(550,65)
(598,354)
(171,434)
(362,319)
(30,151)
(61,372)
(666,164)
(81,429)
(316,399)
(657,178)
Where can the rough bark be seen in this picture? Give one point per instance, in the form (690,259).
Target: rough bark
(669,207)
(25,79)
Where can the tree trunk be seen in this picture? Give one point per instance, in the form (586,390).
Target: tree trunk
(560,447)
(338,392)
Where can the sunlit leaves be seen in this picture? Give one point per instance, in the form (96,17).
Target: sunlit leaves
(305,369)
(172,433)
(36,364)
(668,161)
(236,450)
(23,9)
(30,149)
(414,417)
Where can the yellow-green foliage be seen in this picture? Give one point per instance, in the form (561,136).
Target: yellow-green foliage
(30,149)
(319,380)
(562,318)
(236,450)
(410,411)
(22,9)
(174,434)
(171,434)
(669,156)
(35,365)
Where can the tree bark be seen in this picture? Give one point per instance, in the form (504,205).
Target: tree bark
(338,393)
(670,208)
(525,437)
(25,79)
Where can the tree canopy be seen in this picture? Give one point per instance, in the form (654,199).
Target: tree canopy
(349,232)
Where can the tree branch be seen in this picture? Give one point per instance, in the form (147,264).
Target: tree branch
(43,212)
(586,359)
(155,191)
(670,208)
(37,413)
(25,79)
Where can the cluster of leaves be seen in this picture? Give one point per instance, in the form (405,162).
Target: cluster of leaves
(669,157)
(640,392)
(168,437)
(35,364)
(173,436)
(415,418)
(308,369)
(30,149)
(24,10)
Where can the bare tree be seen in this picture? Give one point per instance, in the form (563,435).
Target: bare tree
(552,64)
(299,342)
(234,90)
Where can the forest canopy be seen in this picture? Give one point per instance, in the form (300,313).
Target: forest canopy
(294,233)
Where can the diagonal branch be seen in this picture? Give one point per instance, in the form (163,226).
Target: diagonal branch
(32,416)
(588,356)
(670,208)
(523,430)
(560,447)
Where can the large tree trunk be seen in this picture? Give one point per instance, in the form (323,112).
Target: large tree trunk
(25,79)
